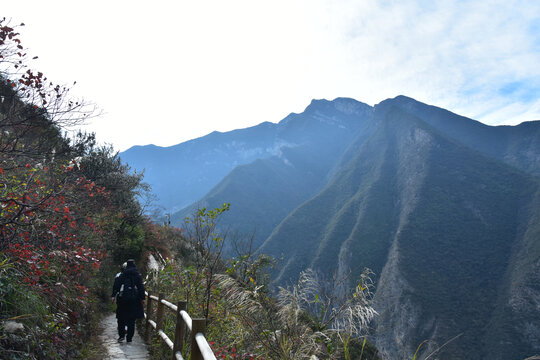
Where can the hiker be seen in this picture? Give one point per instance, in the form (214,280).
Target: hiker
(128,291)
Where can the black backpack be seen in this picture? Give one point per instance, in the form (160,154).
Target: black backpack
(128,291)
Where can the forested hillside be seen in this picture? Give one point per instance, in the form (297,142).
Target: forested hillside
(69,214)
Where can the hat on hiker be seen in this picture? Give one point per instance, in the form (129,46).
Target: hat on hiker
(130,263)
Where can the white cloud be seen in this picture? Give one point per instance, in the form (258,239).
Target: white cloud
(452,53)
(165,72)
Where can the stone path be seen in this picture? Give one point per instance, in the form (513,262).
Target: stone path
(116,351)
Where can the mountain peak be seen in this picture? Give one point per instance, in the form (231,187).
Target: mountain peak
(400,100)
(345,105)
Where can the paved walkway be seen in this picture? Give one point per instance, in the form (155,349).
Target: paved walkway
(135,350)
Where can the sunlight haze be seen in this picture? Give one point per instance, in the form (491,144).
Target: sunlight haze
(164,72)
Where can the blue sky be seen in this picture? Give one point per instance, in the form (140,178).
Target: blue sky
(164,72)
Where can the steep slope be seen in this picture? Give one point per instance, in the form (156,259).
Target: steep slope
(263,192)
(451,258)
(517,316)
(437,220)
(304,236)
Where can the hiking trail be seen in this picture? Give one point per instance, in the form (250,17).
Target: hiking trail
(136,350)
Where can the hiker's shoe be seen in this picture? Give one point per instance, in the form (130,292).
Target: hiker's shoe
(120,339)
(128,340)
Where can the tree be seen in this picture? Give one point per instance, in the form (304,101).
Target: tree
(35,157)
(203,231)
(103,166)
(33,108)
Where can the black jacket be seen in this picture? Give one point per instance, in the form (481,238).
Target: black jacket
(135,309)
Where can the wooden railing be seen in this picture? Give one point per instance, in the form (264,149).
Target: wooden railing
(200,350)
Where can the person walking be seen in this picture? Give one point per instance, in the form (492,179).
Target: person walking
(128,291)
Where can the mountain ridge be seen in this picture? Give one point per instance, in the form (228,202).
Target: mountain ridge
(181,174)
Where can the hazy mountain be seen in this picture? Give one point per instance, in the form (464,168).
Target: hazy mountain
(444,209)
(182,174)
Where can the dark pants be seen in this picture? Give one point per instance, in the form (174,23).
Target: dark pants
(122,324)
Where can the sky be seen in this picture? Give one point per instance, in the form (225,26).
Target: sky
(164,72)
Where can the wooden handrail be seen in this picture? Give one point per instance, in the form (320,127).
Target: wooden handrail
(200,349)
(204,348)
(187,319)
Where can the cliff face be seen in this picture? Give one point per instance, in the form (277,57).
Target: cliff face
(399,316)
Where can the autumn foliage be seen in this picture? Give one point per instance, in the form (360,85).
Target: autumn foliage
(66,208)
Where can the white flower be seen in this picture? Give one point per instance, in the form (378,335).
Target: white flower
(12,326)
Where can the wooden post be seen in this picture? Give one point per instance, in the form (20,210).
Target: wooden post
(179,333)
(148,316)
(159,314)
(197,326)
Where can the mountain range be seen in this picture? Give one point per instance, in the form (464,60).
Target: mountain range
(444,209)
